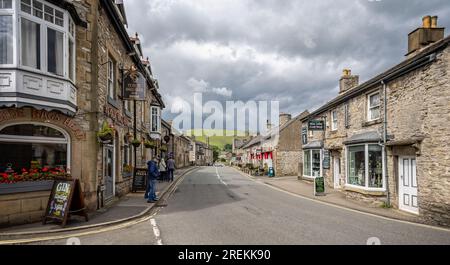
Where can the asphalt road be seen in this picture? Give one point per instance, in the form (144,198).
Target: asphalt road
(221,206)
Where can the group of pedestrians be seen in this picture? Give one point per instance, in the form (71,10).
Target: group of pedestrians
(158,169)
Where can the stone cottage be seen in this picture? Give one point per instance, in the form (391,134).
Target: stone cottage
(386,141)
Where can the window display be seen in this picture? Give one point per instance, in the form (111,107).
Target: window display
(365,166)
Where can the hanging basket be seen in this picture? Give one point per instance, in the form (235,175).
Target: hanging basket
(136,143)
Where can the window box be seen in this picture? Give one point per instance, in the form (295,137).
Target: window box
(26,186)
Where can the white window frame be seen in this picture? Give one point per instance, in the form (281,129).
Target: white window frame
(11,12)
(334,120)
(33,139)
(370,108)
(18,15)
(366,171)
(111,78)
(158,113)
(310,151)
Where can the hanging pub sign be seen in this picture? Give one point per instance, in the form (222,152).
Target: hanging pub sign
(134,85)
(316,125)
(65,199)
(304,135)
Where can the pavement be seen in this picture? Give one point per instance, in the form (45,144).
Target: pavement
(217,206)
(129,207)
(306,189)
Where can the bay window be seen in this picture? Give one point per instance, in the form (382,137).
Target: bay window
(312,163)
(6,39)
(5,4)
(365,166)
(55,52)
(31,44)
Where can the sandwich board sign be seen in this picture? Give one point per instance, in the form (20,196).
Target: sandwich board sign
(65,199)
(319,186)
(140,179)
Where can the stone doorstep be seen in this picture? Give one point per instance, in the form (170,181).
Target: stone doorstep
(31,229)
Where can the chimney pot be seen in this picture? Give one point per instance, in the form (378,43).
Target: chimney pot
(426,22)
(434,22)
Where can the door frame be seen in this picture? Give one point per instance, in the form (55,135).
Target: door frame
(400,185)
(113,170)
(337,185)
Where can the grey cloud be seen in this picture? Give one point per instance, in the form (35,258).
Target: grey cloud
(318,38)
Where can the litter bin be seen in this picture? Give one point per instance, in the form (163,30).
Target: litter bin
(271,172)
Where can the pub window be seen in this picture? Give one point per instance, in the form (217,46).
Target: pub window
(111,77)
(155,119)
(365,166)
(33,146)
(47,41)
(374,106)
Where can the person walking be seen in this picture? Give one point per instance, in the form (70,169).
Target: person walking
(152,176)
(170,168)
(163,170)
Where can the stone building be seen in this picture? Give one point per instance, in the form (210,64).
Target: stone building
(280,148)
(388,138)
(182,147)
(59,86)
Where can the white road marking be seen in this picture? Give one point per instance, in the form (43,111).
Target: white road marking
(341,207)
(220,179)
(156,232)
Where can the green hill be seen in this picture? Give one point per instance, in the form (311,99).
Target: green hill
(219,141)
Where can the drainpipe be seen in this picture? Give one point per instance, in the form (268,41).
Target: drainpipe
(388,197)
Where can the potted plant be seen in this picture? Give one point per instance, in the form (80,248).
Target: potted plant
(106,134)
(136,143)
(149,144)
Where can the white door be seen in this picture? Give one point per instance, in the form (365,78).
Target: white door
(109,171)
(408,199)
(336,172)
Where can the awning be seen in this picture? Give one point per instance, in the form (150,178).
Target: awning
(15,104)
(314,145)
(368,137)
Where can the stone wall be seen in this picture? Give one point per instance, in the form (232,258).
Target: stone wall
(22,208)
(287,163)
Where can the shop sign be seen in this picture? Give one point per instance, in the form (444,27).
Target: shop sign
(140,179)
(134,85)
(319,186)
(29,114)
(316,125)
(326,159)
(116,116)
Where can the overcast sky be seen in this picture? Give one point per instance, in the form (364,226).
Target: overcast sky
(291,51)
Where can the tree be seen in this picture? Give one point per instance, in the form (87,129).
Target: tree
(216,152)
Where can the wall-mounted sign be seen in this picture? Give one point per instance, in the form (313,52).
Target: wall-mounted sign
(116,116)
(134,85)
(326,159)
(316,125)
(304,135)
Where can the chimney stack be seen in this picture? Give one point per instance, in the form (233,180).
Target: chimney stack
(348,81)
(284,118)
(424,36)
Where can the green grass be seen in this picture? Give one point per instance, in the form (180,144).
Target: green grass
(219,141)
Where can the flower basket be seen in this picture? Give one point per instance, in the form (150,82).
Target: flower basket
(106,134)
(164,148)
(136,143)
(149,144)
(31,175)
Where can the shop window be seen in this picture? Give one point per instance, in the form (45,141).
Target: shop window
(365,166)
(312,163)
(32,146)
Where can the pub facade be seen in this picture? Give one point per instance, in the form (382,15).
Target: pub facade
(62,111)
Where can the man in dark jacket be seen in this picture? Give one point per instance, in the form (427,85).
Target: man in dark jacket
(152,176)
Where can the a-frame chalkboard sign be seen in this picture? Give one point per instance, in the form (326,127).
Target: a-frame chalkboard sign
(139,179)
(65,199)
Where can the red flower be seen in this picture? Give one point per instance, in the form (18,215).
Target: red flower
(24,170)
(45,169)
